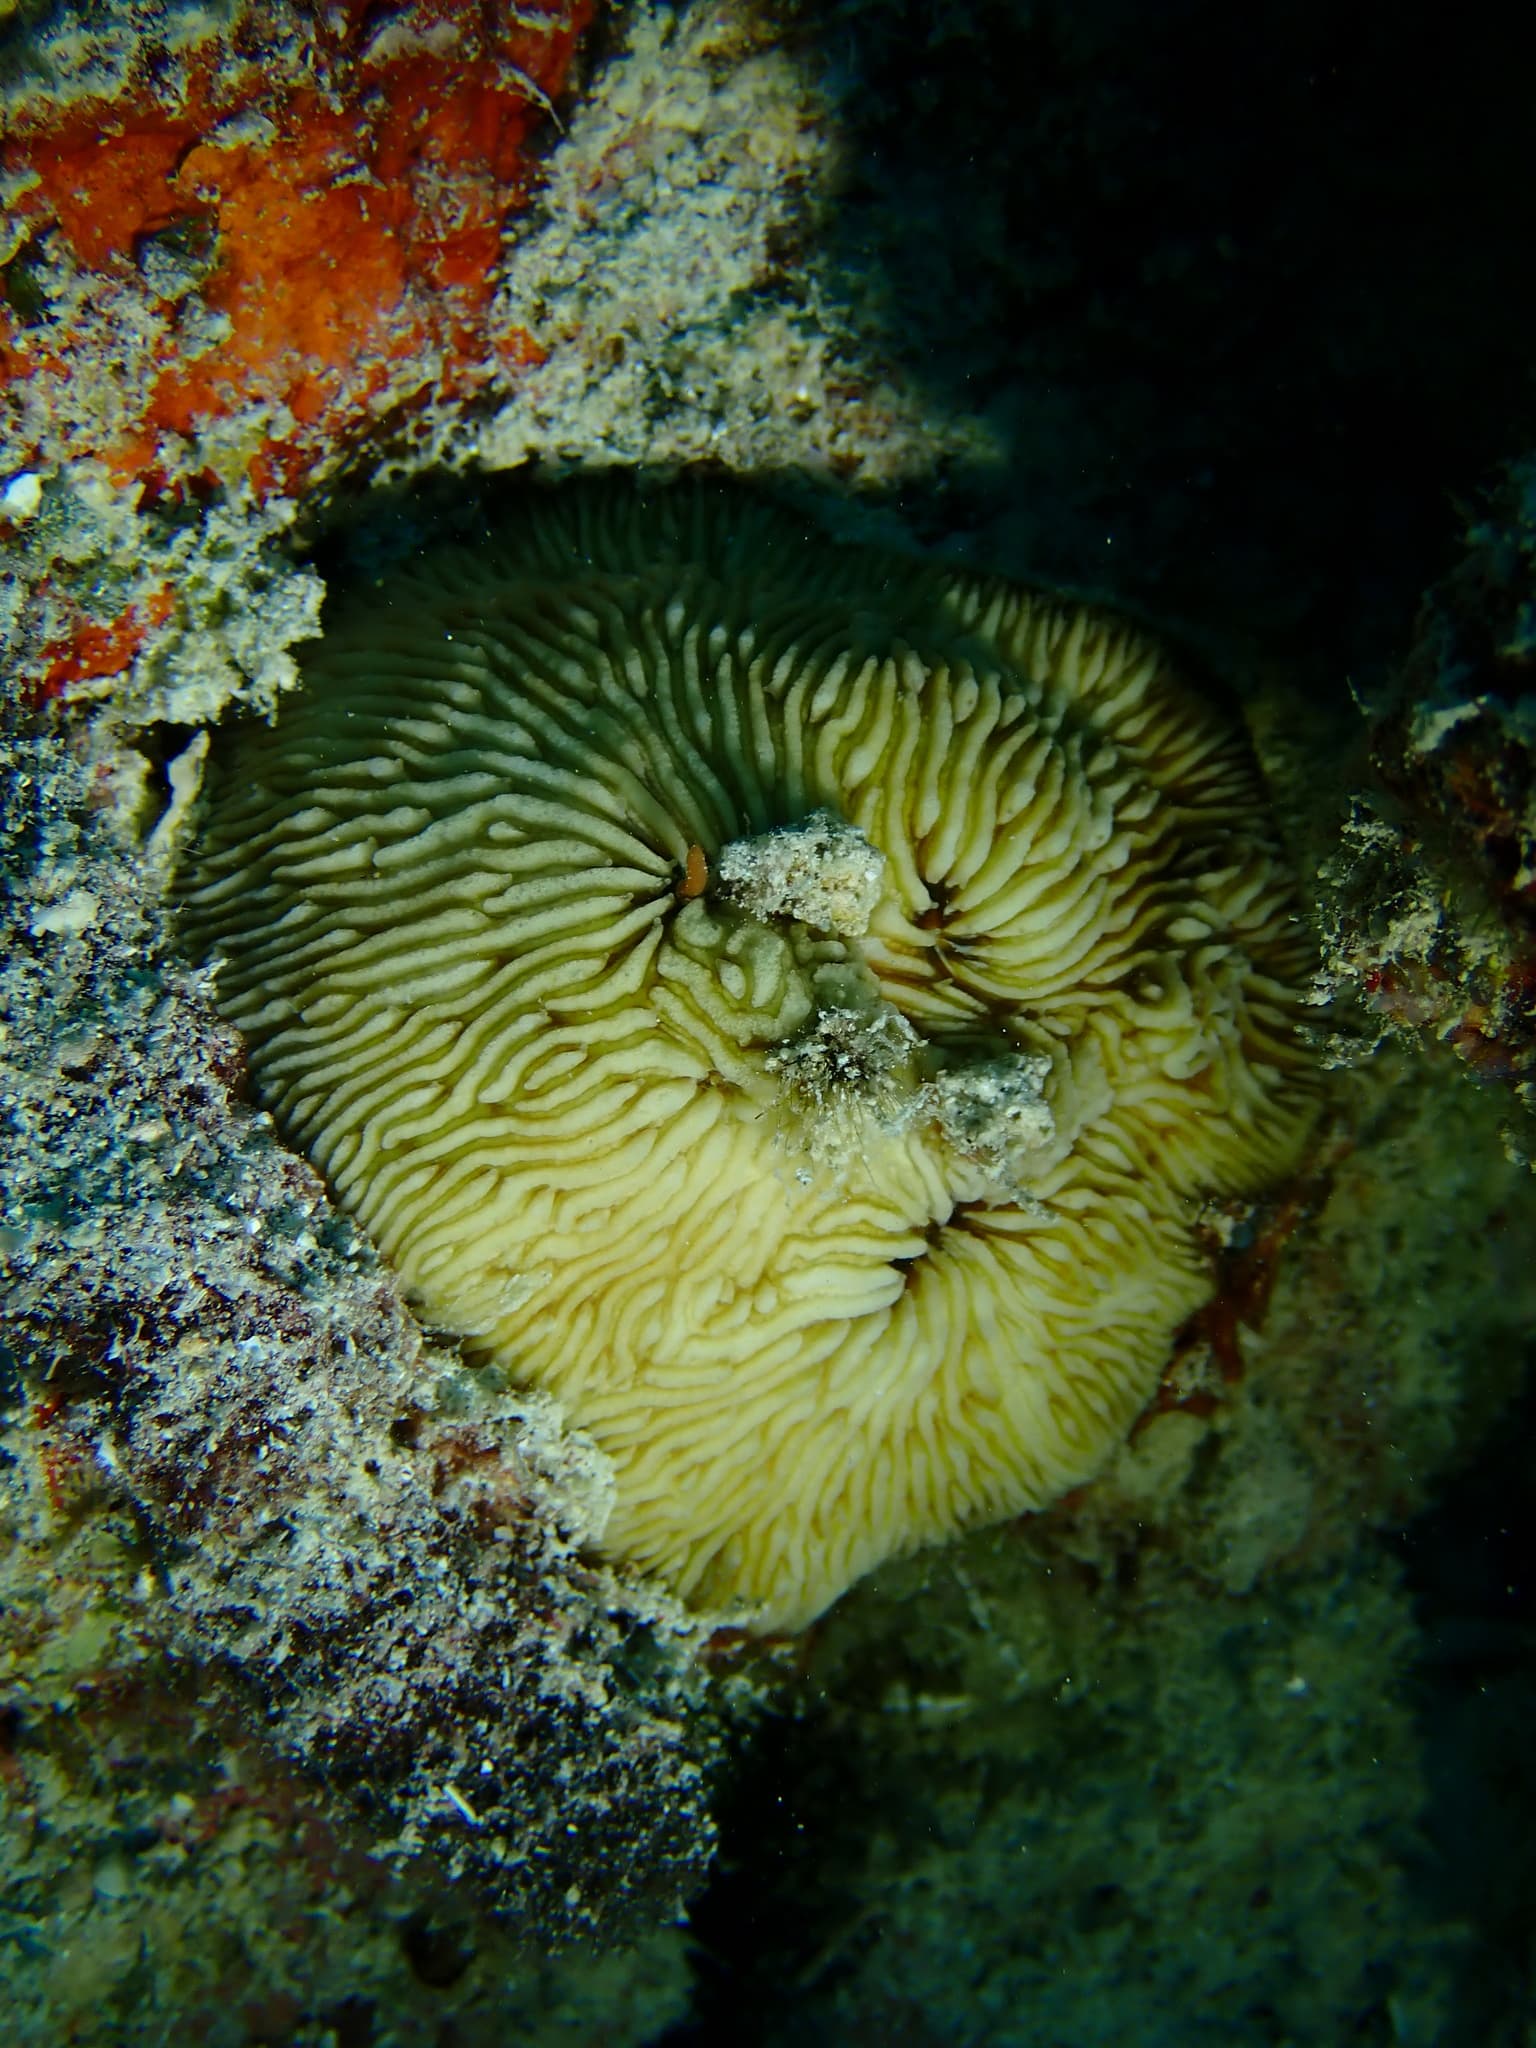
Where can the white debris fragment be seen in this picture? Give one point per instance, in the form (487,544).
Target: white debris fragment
(461,1805)
(22,496)
(823,872)
(185,775)
(72,914)
(1431,723)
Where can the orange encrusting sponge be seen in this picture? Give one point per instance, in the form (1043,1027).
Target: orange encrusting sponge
(342,185)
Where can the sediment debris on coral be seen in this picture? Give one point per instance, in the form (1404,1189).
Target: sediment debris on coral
(821,871)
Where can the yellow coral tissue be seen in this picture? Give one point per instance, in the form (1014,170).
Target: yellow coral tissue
(787,1003)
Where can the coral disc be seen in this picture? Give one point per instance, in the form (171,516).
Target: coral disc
(786,1002)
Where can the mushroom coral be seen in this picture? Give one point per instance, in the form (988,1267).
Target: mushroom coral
(787,1002)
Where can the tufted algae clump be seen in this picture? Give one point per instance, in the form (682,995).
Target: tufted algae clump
(787,1002)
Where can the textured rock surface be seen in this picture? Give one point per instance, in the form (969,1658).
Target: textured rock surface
(377,1558)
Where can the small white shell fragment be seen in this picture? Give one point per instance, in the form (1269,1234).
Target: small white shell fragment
(22,496)
(72,914)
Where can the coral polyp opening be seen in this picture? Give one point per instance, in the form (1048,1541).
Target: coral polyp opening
(786,1002)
